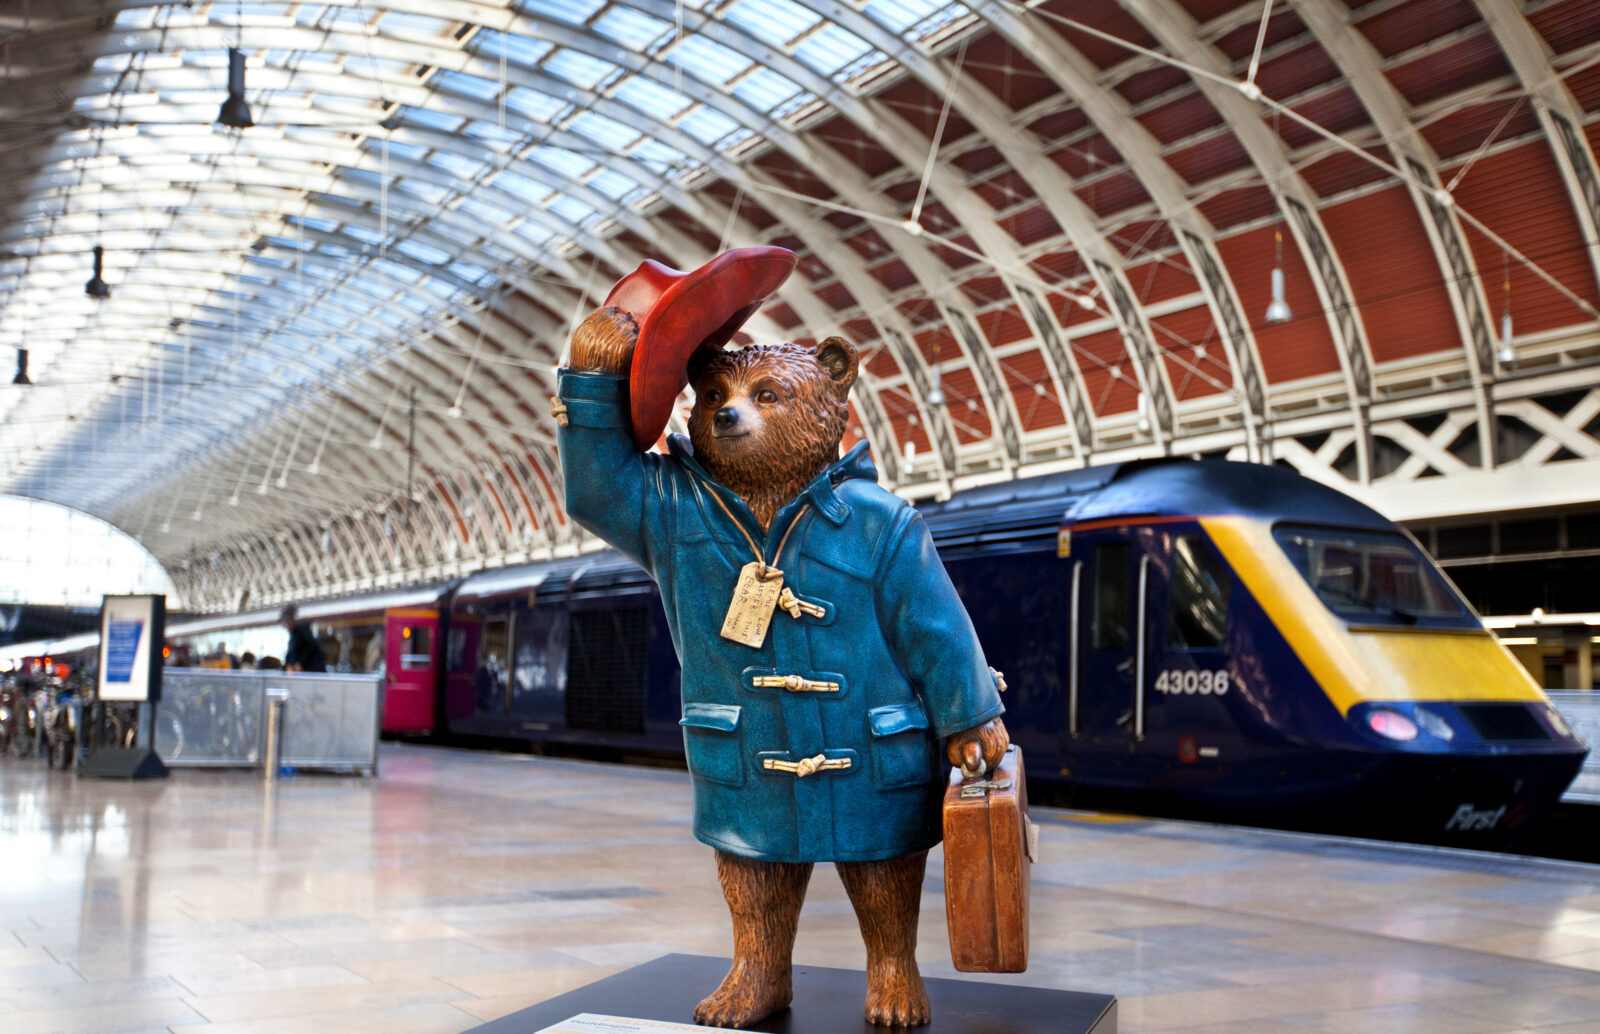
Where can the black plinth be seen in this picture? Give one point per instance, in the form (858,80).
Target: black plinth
(826,1001)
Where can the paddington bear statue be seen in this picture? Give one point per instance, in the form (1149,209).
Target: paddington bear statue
(824,650)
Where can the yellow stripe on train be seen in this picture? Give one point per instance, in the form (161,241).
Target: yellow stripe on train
(1355,665)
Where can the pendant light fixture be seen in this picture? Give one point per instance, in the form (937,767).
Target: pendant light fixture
(97,287)
(1278,308)
(1508,352)
(935,388)
(235,111)
(22,368)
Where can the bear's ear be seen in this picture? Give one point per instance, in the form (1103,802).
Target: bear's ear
(838,357)
(700,360)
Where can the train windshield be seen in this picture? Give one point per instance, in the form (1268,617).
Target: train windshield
(1373,577)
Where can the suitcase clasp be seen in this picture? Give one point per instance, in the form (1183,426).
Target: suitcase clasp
(982,787)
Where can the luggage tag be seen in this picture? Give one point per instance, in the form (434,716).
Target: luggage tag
(755,597)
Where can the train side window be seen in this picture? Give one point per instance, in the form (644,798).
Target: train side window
(1201,587)
(1111,595)
(416,650)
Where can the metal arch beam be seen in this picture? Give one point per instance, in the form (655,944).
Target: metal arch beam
(911,151)
(1053,187)
(1176,30)
(1359,61)
(1559,113)
(847,180)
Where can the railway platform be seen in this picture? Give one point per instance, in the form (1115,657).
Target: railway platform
(456,888)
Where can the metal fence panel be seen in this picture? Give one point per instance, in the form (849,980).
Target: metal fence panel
(210,717)
(330,721)
(219,718)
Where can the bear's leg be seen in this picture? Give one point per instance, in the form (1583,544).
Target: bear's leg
(764,899)
(888,898)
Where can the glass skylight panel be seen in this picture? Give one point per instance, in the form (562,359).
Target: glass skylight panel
(632,28)
(483,211)
(562,160)
(457,165)
(362,233)
(765,89)
(432,193)
(396,24)
(531,231)
(578,69)
(652,98)
(431,119)
(516,47)
(398,149)
(571,209)
(612,184)
(575,12)
(471,85)
(521,186)
(535,105)
(657,156)
(399,272)
(492,135)
(938,20)
(774,21)
(899,15)
(707,60)
(707,125)
(467,271)
(608,133)
(831,48)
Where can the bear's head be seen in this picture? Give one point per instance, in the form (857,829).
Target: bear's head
(768,419)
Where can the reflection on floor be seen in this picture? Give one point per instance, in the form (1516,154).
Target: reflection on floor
(460,887)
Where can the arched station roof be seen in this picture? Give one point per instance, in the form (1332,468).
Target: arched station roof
(1050,227)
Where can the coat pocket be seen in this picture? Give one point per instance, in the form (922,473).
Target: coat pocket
(902,749)
(711,741)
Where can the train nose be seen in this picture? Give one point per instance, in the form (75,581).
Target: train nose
(725,419)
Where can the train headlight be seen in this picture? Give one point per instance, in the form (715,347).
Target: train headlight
(1391,724)
(1558,723)
(1434,724)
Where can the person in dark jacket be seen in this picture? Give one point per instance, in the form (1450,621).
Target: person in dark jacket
(303,653)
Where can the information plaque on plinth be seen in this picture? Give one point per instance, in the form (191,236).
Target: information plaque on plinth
(826,1001)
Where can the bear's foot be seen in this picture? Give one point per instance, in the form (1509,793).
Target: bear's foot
(896,996)
(748,994)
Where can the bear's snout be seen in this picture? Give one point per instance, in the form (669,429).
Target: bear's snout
(725,419)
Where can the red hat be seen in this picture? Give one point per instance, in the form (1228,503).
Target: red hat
(678,312)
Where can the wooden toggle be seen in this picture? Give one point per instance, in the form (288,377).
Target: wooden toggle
(794,606)
(794,684)
(558,409)
(803,768)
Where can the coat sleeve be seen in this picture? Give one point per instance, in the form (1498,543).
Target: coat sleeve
(608,481)
(930,634)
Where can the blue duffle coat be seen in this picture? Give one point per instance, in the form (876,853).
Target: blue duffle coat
(893,636)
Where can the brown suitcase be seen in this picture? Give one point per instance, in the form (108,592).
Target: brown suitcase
(988,845)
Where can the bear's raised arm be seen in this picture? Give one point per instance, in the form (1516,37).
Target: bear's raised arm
(604,474)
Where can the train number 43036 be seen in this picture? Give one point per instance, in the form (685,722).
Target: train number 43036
(1191,681)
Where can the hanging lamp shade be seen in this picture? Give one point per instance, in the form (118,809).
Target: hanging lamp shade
(97,287)
(22,368)
(1508,351)
(1278,308)
(935,390)
(235,112)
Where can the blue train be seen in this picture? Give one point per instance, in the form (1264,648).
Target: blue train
(1194,637)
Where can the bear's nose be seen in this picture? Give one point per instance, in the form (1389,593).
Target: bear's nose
(725,418)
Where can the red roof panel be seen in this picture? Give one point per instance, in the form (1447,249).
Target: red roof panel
(1179,118)
(1394,275)
(1568,24)
(1401,27)
(1104,15)
(1162,280)
(1193,354)
(1032,390)
(1209,158)
(1108,393)
(965,406)
(1232,207)
(1443,72)
(1005,72)
(1464,130)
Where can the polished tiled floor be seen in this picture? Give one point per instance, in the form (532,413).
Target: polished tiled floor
(460,887)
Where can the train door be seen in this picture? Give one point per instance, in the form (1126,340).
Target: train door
(412,666)
(1188,666)
(461,665)
(1101,699)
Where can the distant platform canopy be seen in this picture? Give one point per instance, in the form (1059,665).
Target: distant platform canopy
(286,283)
(58,556)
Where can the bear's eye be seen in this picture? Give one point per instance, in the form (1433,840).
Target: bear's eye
(767,395)
(713,398)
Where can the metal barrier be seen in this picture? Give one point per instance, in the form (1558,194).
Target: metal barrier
(1581,709)
(211,718)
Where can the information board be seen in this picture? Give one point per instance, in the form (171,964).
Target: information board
(132,630)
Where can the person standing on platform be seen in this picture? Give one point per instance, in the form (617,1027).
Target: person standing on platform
(303,653)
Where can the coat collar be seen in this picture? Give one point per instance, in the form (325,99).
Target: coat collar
(857,463)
